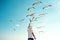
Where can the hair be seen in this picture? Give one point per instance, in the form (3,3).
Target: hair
(29,26)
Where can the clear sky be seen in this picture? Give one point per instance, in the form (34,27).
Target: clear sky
(17,9)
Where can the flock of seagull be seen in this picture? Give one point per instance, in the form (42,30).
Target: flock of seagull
(32,14)
(37,3)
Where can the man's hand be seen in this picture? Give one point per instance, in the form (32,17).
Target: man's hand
(35,38)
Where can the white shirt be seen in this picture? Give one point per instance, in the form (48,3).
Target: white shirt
(30,33)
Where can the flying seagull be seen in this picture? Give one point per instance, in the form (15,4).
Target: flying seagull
(41,15)
(12,29)
(40,27)
(36,3)
(33,19)
(10,20)
(41,31)
(30,8)
(21,20)
(47,6)
(30,14)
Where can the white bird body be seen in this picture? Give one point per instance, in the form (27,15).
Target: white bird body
(36,3)
(30,8)
(47,6)
(30,14)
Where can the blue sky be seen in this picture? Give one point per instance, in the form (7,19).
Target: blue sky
(17,9)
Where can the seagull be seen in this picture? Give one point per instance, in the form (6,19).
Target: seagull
(12,29)
(33,19)
(21,20)
(30,14)
(10,20)
(40,27)
(41,31)
(36,3)
(30,8)
(47,6)
(41,15)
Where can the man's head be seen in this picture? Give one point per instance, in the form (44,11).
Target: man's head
(30,27)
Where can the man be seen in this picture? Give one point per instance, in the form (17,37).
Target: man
(30,33)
